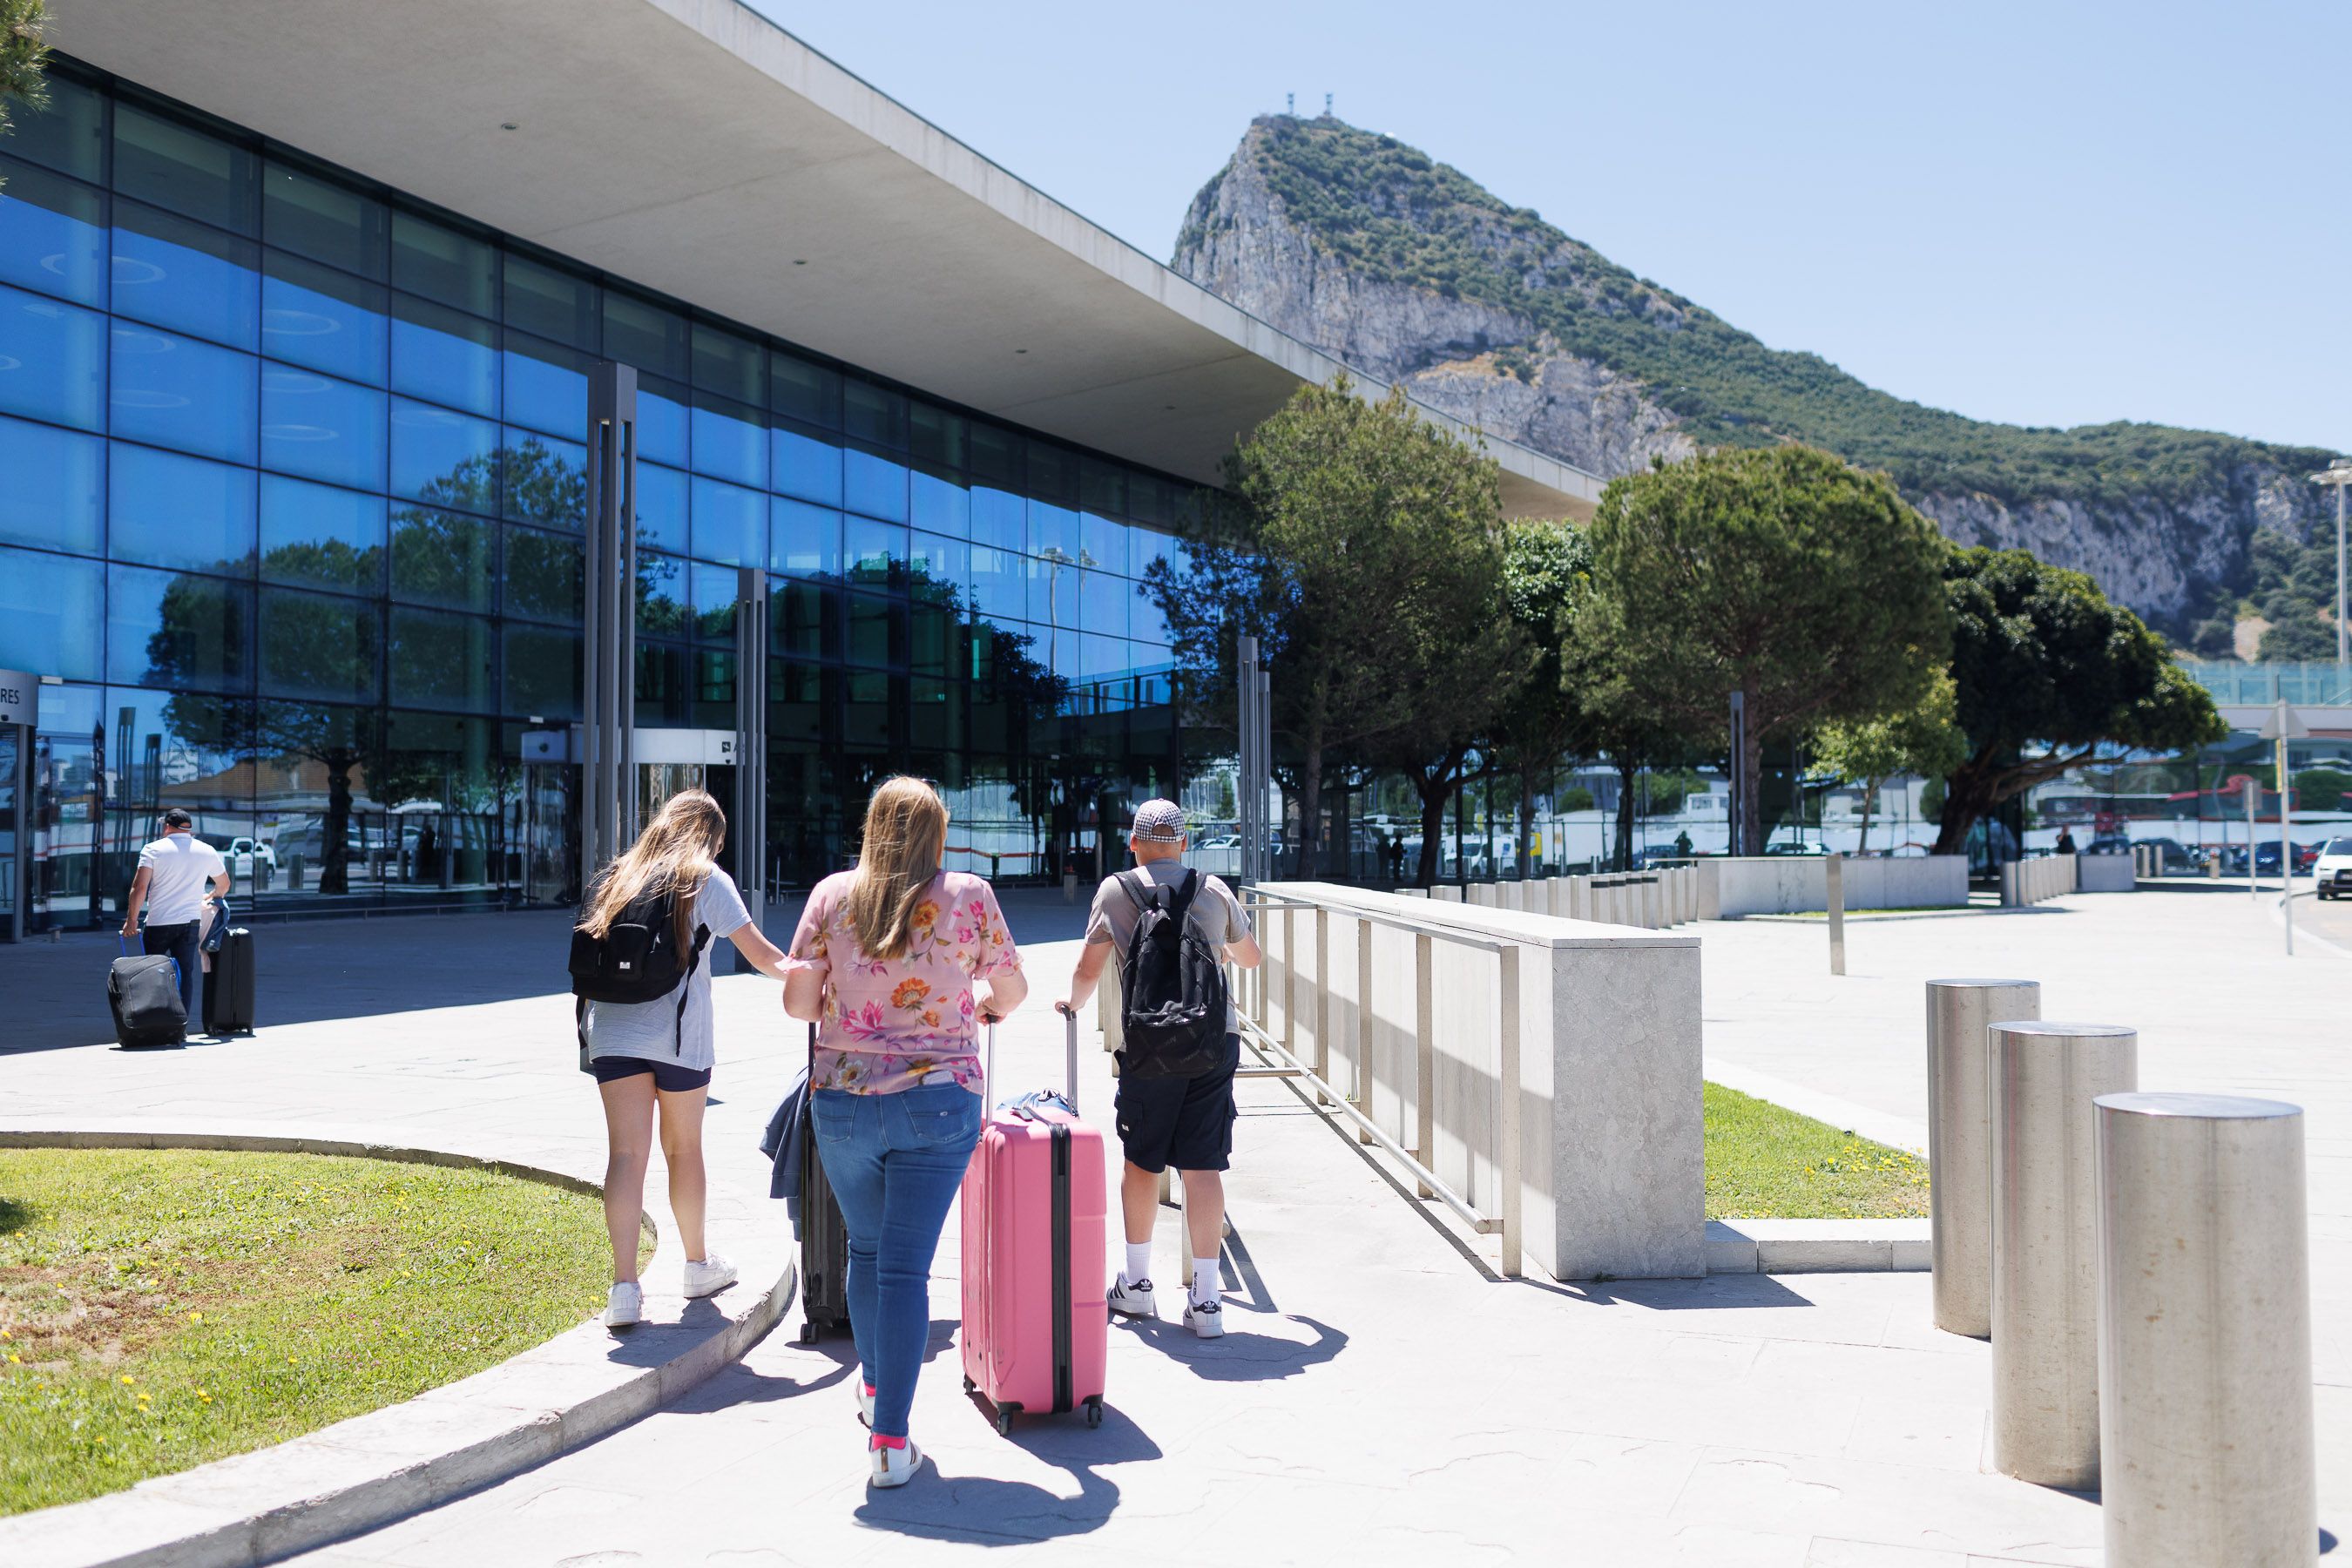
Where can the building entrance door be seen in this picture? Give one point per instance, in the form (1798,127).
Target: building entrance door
(12,836)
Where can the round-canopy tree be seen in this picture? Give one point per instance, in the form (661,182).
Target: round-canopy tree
(1781,573)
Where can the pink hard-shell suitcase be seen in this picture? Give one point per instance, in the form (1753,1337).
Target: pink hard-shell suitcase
(1036,1329)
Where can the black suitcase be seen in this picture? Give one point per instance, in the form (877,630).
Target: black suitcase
(228,984)
(144,995)
(824,1242)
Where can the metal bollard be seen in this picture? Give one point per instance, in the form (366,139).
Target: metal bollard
(1959,1141)
(2045,1341)
(2205,1403)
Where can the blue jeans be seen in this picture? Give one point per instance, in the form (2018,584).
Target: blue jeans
(894,1162)
(179,941)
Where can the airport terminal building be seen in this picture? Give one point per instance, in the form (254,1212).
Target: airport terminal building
(331,335)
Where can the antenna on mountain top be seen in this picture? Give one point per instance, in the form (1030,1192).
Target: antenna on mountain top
(1326,106)
(1290,104)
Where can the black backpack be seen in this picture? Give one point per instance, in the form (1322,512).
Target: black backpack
(1172,1008)
(637,960)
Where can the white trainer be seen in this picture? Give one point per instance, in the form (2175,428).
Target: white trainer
(1205,1319)
(1133,1299)
(624,1304)
(894,1467)
(864,1404)
(707,1278)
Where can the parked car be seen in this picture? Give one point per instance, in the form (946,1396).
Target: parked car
(2331,870)
(1797,847)
(242,854)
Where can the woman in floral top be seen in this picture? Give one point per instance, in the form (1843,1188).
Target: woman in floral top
(885,961)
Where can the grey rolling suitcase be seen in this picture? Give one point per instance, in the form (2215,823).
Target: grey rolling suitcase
(144,994)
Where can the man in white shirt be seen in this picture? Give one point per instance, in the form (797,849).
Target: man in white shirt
(179,877)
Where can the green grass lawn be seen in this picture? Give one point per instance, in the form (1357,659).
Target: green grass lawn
(1765,1163)
(161,1308)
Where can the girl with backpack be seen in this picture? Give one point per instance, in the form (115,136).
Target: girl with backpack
(651,914)
(885,961)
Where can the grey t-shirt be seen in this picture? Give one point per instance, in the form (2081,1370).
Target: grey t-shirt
(654,1030)
(1216,916)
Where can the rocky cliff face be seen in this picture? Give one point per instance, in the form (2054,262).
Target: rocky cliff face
(2177,555)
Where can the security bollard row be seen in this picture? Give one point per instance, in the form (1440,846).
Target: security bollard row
(2141,1262)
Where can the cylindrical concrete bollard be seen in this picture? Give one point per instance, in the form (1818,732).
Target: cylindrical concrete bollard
(1959,1141)
(1652,916)
(2045,1340)
(2205,1406)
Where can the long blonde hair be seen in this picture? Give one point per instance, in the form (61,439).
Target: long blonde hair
(675,852)
(906,833)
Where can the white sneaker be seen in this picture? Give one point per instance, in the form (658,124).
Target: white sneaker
(864,1404)
(1134,1299)
(893,1467)
(1205,1319)
(707,1278)
(624,1304)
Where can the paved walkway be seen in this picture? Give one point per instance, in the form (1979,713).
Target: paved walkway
(1379,1399)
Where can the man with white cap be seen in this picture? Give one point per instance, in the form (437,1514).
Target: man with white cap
(1187,1122)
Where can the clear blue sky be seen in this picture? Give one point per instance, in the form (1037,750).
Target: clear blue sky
(2051,214)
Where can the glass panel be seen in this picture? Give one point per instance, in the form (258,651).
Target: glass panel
(182,275)
(937,436)
(662,420)
(322,428)
(661,508)
(178,392)
(545,578)
(51,608)
(934,641)
(546,480)
(1102,544)
(546,385)
(52,234)
(804,540)
(1102,487)
(322,220)
(550,303)
(441,354)
(998,457)
(52,361)
(443,558)
(877,631)
(729,365)
(315,537)
(641,333)
(730,441)
(876,413)
(866,711)
(55,490)
(180,167)
(999,518)
(938,568)
(312,646)
(543,672)
(714,603)
(314,316)
(1053,530)
(999,584)
(875,552)
(805,390)
(1053,473)
(1103,603)
(806,466)
(661,595)
(443,264)
(1147,625)
(935,710)
(804,620)
(444,458)
(441,660)
(874,485)
(70,134)
(663,696)
(178,630)
(179,511)
(942,504)
(730,524)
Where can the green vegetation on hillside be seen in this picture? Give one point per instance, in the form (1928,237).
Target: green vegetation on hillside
(1395,215)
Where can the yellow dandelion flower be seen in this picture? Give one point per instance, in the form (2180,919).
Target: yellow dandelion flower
(19,1360)
(128,1380)
(195,1317)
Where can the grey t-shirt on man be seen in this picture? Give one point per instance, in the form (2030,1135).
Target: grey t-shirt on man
(654,1031)
(1216,916)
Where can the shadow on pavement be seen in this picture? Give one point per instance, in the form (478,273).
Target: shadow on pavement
(1714,1293)
(1238,1355)
(981,1511)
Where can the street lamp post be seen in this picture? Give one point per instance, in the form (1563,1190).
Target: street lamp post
(2337,476)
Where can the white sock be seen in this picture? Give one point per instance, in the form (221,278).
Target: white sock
(1138,1262)
(1205,1281)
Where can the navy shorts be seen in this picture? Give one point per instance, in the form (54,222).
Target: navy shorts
(1187,1122)
(667,1078)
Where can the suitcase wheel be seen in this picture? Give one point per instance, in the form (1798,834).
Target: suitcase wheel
(1093,1412)
(808,1333)
(1005,1415)
(969,1386)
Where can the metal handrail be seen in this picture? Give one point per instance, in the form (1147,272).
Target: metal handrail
(1281,1059)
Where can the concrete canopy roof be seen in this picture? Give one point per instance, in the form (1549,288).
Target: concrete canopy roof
(695,147)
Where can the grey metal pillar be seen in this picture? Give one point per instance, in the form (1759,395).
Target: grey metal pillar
(750,827)
(1833,875)
(608,775)
(2205,1403)
(1959,1141)
(2045,1341)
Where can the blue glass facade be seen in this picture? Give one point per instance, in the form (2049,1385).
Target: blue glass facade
(292,502)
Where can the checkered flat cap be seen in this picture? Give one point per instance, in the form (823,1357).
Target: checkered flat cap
(1158,822)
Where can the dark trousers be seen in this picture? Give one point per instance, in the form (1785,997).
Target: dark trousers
(179,941)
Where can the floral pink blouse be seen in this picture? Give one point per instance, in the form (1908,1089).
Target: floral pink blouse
(895,1025)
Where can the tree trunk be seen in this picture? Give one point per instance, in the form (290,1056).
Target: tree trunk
(1967,795)
(1310,802)
(1527,822)
(1750,763)
(1869,799)
(1343,854)
(1432,785)
(335,852)
(1628,768)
